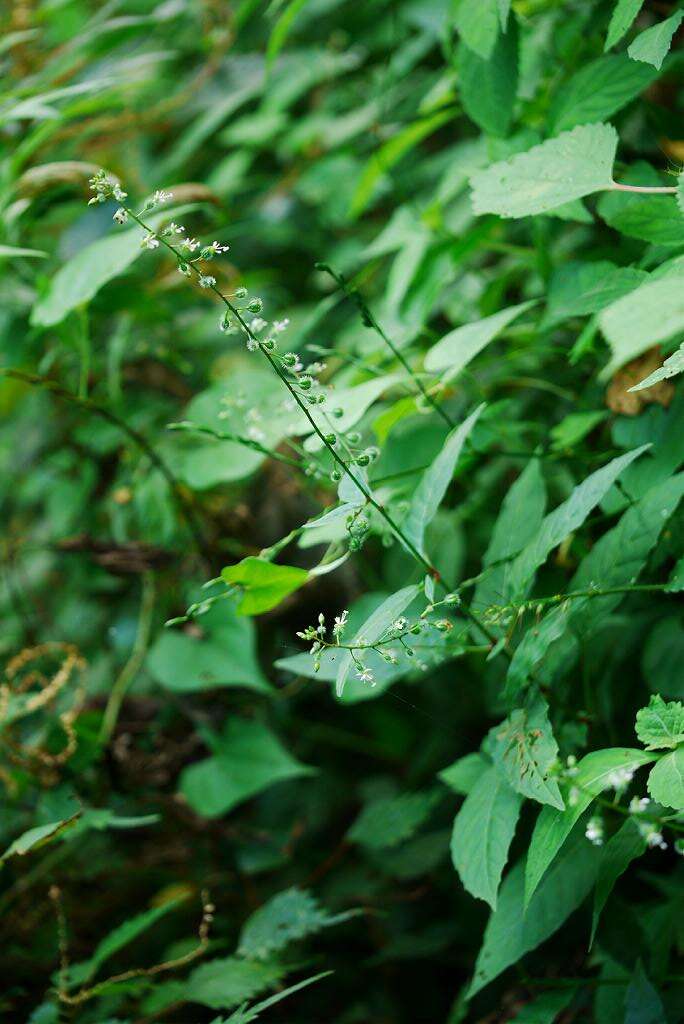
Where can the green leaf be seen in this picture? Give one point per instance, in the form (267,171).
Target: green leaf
(672,366)
(223,654)
(650,218)
(643,1005)
(223,984)
(595,772)
(478,26)
(373,628)
(462,775)
(524,750)
(652,313)
(624,13)
(621,849)
(513,931)
(264,584)
(578,289)
(598,90)
(93,266)
(568,516)
(676,581)
(388,821)
(36,837)
(246,1014)
(545,1008)
(16,252)
(652,45)
(571,166)
(488,86)
(247,760)
(354,402)
(574,427)
(435,481)
(666,781)
(287,917)
(281,29)
(661,724)
(456,349)
(483,831)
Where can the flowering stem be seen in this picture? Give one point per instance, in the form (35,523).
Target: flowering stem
(220,435)
(337,458)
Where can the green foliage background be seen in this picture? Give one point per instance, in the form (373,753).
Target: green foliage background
(407,145)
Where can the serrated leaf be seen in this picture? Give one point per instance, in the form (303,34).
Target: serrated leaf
(598,90)
(571,166)
(578,289)
(650,218)
(435,481)
(482,834)
(652,313)
(595,772)
(247,760)
(624,13)
(373,628)
(660,724)
(287,917)
(388,821)
(524,750)
(488,87)
(672,366)
(223,984)
(462,775)
(513,931)
(564,519)
(456,349)
(666,781)
(263,584)
(621,849)
(652,45)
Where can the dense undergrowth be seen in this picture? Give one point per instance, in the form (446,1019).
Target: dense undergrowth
(342,549)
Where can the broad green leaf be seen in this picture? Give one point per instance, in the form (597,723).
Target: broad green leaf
(525,751)
(621,849)
(571,166)
(574,427)
(223,984)
(483,831)
(247,1014)
(80,973)
(16,252)
(564,519)
(247,760)
(222,652)
(672,366)
(373,628)
(676,581)
(391,820)
(287,917)
(81,277)
(456,349)
(513,931)
(545,1008)
(263,584)
(598,90)
(643,1005)
(652,45)
(666,781)
(661,724)
(488,87)
(652,313)
(354,402)
(578,289)
(651,218)
(462,775)
(616,559)
(390,153)
(624,13)
(478,25)
(36,837)
(434,483)
(595,772)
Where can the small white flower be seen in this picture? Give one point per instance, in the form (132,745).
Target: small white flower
(654,839)
(160,197)
(573,796)
(257,324)
(218,248)
(206,281)
(340,622)
(366,676)
(189,244)
(255,434)
(620,779)
(252,345)
(174,229)
(280,325)
(594,831)
(638,805)
(120,216)
(400,624)
(150,241)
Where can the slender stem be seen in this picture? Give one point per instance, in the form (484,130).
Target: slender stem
(134,663)
(337,458)
(645,189)
(220,435)
(369,320)
(634,588)
(184,505)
